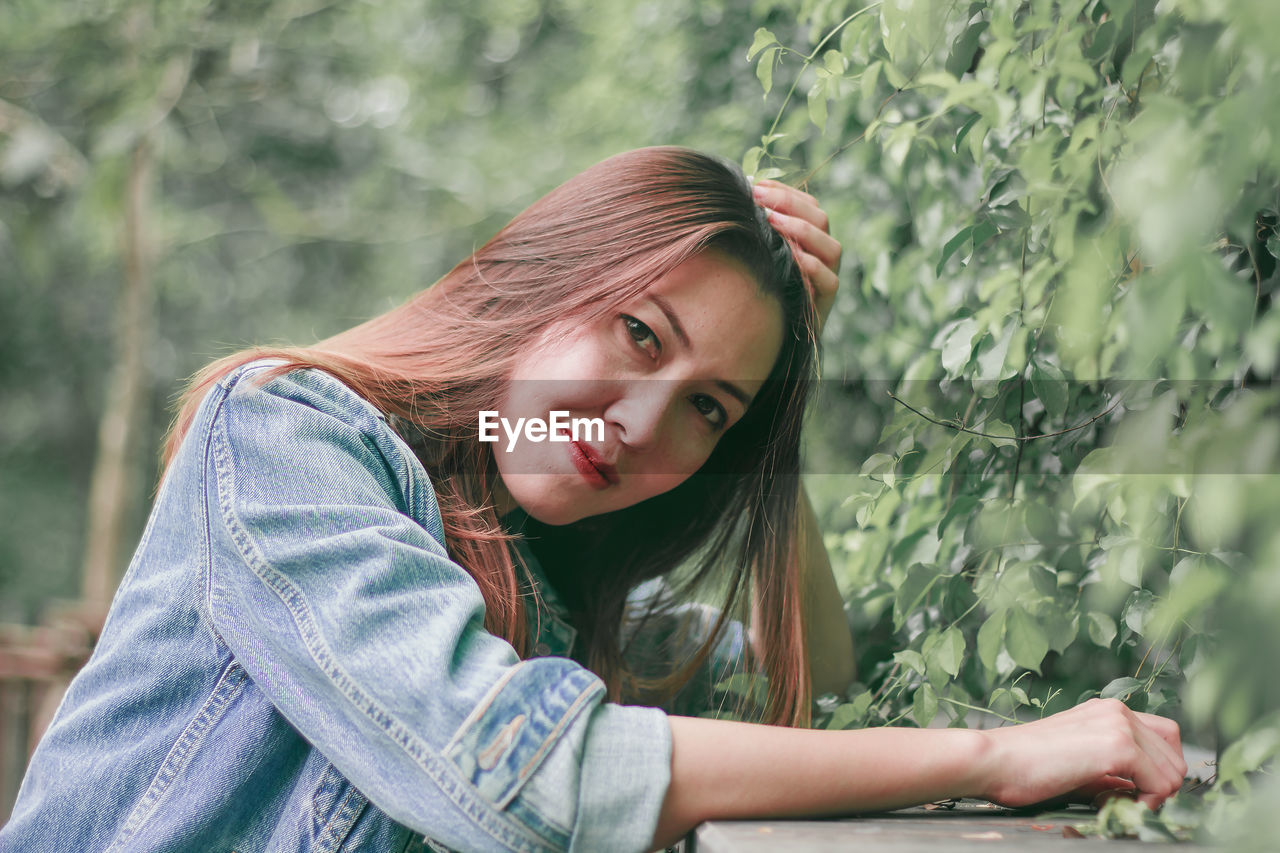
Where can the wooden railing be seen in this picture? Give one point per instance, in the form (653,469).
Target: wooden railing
(36,665)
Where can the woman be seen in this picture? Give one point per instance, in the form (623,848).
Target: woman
(328,639)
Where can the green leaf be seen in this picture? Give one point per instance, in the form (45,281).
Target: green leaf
(1251,750)
(896,78)
(1273,245)
(1134,65)
(763,39)
(952,246)
(964,131)
(897,145)
(911,592)
(991,358)
(1008,217)
(751,160)
(1044,580)
(851,714)
(961,507)
(1050,386)
(877,465)
(958,346)
(999,433)
(764,69)
(1104,38)
(1061,627)
(925,705)
(958,599)
(964,48)
(945,651)
(1026,640)
(991,639)
(1042,523)
(1102,629)
(1124,561)
(818,103)
(869,77)
(1138,610)
(910,659)
(982,232)
(1121,688)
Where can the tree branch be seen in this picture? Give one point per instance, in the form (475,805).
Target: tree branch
(959,428)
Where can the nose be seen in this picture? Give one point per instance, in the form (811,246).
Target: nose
(639,411)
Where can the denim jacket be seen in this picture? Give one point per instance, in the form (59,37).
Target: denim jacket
(293,663)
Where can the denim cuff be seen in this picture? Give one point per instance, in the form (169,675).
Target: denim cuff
(626,769)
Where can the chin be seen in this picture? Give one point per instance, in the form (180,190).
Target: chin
(555,515)
(549,507)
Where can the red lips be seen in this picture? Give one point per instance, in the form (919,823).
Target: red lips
(595,470)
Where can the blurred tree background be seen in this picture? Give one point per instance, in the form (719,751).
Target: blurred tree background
(1050,374)
(181,179)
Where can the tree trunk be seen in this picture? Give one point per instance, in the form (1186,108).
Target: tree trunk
(116,475)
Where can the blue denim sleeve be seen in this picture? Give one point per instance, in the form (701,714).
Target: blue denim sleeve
(328,582)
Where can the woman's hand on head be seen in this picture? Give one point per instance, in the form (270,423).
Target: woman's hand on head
(1084,754)
(797,215)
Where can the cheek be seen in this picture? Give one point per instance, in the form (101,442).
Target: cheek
(574,353)
(687,449)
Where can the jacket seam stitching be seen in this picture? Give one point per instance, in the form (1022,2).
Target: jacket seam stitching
(184,747)
(570,714)
(342,819)
(207,608)
(482,707)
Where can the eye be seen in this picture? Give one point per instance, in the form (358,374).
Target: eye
(710,409)
(642,335)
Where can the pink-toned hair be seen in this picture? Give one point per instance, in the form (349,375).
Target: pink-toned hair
(596,241)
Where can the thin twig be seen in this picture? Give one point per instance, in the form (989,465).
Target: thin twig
(808,60)
(986,710)
(804,182)
(958,428)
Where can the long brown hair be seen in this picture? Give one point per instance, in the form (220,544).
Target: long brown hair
(598,240)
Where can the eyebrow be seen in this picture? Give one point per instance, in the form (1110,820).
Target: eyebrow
(736,392)
(670,313)
(728,387)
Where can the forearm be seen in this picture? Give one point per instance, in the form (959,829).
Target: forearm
(722,769)
(725,770)
(831,657)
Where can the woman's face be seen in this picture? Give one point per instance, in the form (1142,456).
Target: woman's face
(666,374)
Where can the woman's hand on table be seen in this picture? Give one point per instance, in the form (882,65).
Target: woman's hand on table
(1084,754)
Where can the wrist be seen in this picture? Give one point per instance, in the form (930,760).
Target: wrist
(983,768)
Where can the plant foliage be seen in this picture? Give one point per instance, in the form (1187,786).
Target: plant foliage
(1060,218)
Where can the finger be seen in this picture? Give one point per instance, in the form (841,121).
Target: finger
(792,202)
(1152,766)
(1166,757)
(1135,749)
(811,239)
(1159,737)
(1107,789)
(821,277)
(778,185)
(1168,731)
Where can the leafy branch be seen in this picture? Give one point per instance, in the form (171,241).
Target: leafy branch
(960,427)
